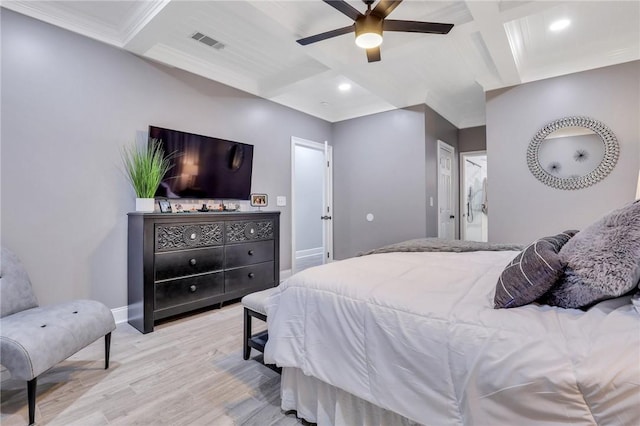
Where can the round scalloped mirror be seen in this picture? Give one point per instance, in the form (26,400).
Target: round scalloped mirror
(572,153)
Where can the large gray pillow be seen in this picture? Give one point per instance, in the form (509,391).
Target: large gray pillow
(532,272)
(603,260)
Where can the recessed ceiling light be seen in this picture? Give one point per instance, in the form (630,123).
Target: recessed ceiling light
(344,87)
(323,103)
(559,25)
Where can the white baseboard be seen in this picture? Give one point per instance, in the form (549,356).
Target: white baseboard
(285,274)
(120,314)
(317,251)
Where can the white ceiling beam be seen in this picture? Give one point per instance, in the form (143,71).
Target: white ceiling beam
(488,19)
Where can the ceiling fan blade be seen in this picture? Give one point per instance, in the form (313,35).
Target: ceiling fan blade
(328,34)
(416,27)
(345,8)
(373,54)
(385,7)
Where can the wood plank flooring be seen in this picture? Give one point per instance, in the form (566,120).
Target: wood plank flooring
(189,371)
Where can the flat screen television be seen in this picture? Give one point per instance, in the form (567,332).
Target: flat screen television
(204,167)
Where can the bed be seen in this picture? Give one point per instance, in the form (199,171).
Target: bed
(413,338)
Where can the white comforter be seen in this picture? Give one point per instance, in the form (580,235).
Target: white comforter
(416,333)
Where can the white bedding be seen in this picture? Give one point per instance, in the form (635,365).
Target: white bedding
(415,333)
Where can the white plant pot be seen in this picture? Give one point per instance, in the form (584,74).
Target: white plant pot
(145,204)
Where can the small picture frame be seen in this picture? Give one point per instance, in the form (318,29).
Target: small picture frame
(259,200)
(165,206)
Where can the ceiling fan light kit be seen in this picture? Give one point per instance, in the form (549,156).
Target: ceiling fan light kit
(370,25)
(369,32)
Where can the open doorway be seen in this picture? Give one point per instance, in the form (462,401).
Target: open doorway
(474,203)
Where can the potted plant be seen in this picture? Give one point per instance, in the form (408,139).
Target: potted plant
(145,167)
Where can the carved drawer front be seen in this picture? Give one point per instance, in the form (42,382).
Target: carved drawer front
(237,232)
(188,290)
(188,235)
(188,262)
(255,276)
(248,253)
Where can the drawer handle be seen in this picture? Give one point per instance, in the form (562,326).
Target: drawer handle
(193,288)
(192,262)
(251,275)
(250,252)
(193,236)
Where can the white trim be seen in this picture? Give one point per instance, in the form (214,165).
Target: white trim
(120,314)
(286,274)
(327,196)
(454,186)
(309,252)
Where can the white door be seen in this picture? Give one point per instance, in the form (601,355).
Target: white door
(473,196)
(311,185)
(446,191)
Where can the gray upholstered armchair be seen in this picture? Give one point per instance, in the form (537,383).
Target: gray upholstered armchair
(33,339)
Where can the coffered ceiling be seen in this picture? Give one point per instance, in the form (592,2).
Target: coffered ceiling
(493,44)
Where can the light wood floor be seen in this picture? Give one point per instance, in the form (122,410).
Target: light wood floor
(189,371)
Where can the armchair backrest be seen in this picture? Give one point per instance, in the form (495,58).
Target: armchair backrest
(16,293)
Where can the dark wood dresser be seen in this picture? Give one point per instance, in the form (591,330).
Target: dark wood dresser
(178,262)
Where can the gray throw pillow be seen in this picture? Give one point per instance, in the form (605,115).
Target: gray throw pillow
(532,272)
(603,260)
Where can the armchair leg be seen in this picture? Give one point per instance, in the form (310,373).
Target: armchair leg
(107,348)
(31,396)
(246,349)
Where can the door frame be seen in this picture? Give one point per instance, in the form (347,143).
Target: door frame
(327,197)
(454,186)
(462,191)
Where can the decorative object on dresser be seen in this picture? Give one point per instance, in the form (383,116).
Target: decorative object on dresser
(182,262)
(145,168)
(259,200)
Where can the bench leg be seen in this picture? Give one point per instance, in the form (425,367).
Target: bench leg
(31,396)
(246,349)
(107,349)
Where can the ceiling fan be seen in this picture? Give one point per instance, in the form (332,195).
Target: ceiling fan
(369,26)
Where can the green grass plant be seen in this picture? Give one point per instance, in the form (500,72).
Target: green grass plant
(145,167)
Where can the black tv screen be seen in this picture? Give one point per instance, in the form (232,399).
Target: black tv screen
(203,166)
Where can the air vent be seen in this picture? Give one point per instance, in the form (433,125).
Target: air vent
(207,40)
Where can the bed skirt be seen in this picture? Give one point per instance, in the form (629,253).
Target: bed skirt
(318,402)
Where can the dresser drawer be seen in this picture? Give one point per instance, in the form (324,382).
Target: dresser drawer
(249,277)
(188,262)
(246,231)
(247,254)
(188,235)
(188,290)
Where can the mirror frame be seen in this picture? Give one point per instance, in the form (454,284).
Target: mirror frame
(611,154)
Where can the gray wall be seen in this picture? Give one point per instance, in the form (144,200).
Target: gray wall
(522,208)
(68,106)
(472,139)
(385,164)
(378,168)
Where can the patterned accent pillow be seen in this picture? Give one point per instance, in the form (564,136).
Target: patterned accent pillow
(603,261)
(532,272)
